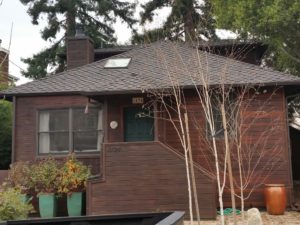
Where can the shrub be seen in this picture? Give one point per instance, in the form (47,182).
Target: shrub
(74,175)
(19,176)
(11,205)
(45,176)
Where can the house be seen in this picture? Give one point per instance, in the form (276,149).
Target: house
(137,162)
(5,77)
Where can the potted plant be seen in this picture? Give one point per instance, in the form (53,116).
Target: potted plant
(11,205)
(73,179)
(19,178)
(45,179)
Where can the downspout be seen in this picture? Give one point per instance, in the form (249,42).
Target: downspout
(13,130)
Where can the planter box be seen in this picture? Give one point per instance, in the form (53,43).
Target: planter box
(167,218)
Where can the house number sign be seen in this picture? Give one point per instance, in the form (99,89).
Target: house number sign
(137,100)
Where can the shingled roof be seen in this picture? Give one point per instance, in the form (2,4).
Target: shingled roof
(154,66)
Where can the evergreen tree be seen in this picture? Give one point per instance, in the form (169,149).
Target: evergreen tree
(149,36)
(5,134)
(276,23)
(5,128)
(188,20)
(97,17)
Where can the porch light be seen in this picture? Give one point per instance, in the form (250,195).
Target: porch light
(117,63)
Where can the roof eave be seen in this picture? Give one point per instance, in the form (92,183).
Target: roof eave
(135,91)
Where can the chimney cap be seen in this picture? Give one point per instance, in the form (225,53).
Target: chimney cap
(79,31)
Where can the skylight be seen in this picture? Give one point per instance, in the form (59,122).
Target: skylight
(117,63)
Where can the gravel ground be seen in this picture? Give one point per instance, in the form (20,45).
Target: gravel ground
(289,218)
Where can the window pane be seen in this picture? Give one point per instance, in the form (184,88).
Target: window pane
(117,63)
(84,122)
(54,120)
(59,141)
(53,142)
(87,140)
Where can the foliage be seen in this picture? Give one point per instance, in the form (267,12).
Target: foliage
(96,16)
(149,36)
(5,133)
(74,175)
(273,22)
(188,18)
(19,176)
(38,65)
(11,205)
(4,85)
(45,176)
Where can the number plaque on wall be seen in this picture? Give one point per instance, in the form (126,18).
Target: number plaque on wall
(137,100)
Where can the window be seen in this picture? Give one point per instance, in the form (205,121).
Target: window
(61,130)
(117,63)
(230,113)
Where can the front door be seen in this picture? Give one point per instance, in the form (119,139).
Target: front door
(137,127)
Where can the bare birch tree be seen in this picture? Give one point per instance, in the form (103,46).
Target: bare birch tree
(229,112)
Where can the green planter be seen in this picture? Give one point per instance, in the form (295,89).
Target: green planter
(25,198)
(47,205)
(74,203)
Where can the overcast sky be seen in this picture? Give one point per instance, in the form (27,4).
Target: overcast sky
(26,40)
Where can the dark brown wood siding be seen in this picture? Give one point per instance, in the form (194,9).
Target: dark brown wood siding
(146,177)
(25,142)
(265,129)
(119,185)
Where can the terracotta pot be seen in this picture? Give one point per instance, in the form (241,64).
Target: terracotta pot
(275,198)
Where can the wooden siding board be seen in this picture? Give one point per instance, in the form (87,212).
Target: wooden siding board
(116,168)
(272,104)
(147,177)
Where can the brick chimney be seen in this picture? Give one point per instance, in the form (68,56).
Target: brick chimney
(4,59)
(80,49)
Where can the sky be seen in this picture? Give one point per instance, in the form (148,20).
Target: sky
(23,39)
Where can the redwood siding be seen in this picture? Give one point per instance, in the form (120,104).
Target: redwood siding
(146,177)
(25,143)
(269,127)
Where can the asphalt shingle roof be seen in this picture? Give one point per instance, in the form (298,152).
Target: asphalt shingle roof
(155,65)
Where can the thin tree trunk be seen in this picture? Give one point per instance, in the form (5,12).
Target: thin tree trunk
(192,168)
(241,181)
(186,163)
(229,166)
(220,189)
